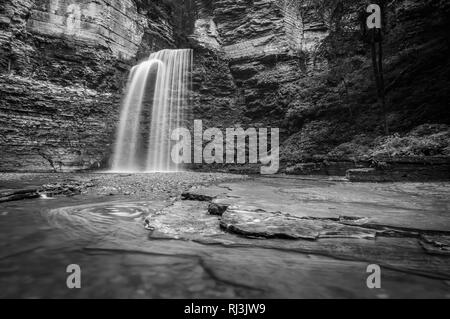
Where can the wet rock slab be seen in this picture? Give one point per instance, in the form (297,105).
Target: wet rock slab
(436,244)
(233,244)
(403,226)
(8,195)
(183,220)
(67,188)
(259,223)
(410,206)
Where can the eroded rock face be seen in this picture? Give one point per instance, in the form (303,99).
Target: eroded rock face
(46,126)
(302,66)
(112,24)
(305,67)
(63,65)
(259,42)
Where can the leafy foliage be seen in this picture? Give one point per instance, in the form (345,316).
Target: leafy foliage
(416,143)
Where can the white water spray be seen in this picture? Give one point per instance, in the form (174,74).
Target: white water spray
(170,70)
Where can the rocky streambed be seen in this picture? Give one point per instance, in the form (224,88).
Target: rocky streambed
(222,236)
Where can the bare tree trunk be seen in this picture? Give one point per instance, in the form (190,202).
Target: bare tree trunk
(377,62)
(347,97)
(382,89)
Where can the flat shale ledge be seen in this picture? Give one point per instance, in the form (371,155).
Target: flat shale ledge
(259,223)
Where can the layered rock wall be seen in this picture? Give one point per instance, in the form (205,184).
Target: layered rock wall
(302,66)
(305,67)
(63,64)
(113,24)
(267,45)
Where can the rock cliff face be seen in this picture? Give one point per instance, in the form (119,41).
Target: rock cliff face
(62,70)
(303,66)
(258,42)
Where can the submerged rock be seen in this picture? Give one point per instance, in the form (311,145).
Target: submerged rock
(18,194)
(183,220)
(217,208)
(205,194)
(436,244)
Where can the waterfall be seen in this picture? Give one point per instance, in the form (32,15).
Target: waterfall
(164,79)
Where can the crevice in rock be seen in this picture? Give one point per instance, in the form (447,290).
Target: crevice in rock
(208,270)
(134,251)
(435,245)
(299,250)
(196,197)
(213,275)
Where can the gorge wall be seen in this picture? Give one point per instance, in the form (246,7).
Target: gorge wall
(63,65)
(305,66)
(301,65)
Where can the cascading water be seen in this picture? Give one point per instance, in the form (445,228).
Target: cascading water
(167,74)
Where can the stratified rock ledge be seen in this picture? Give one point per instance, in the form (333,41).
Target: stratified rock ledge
(259,223)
